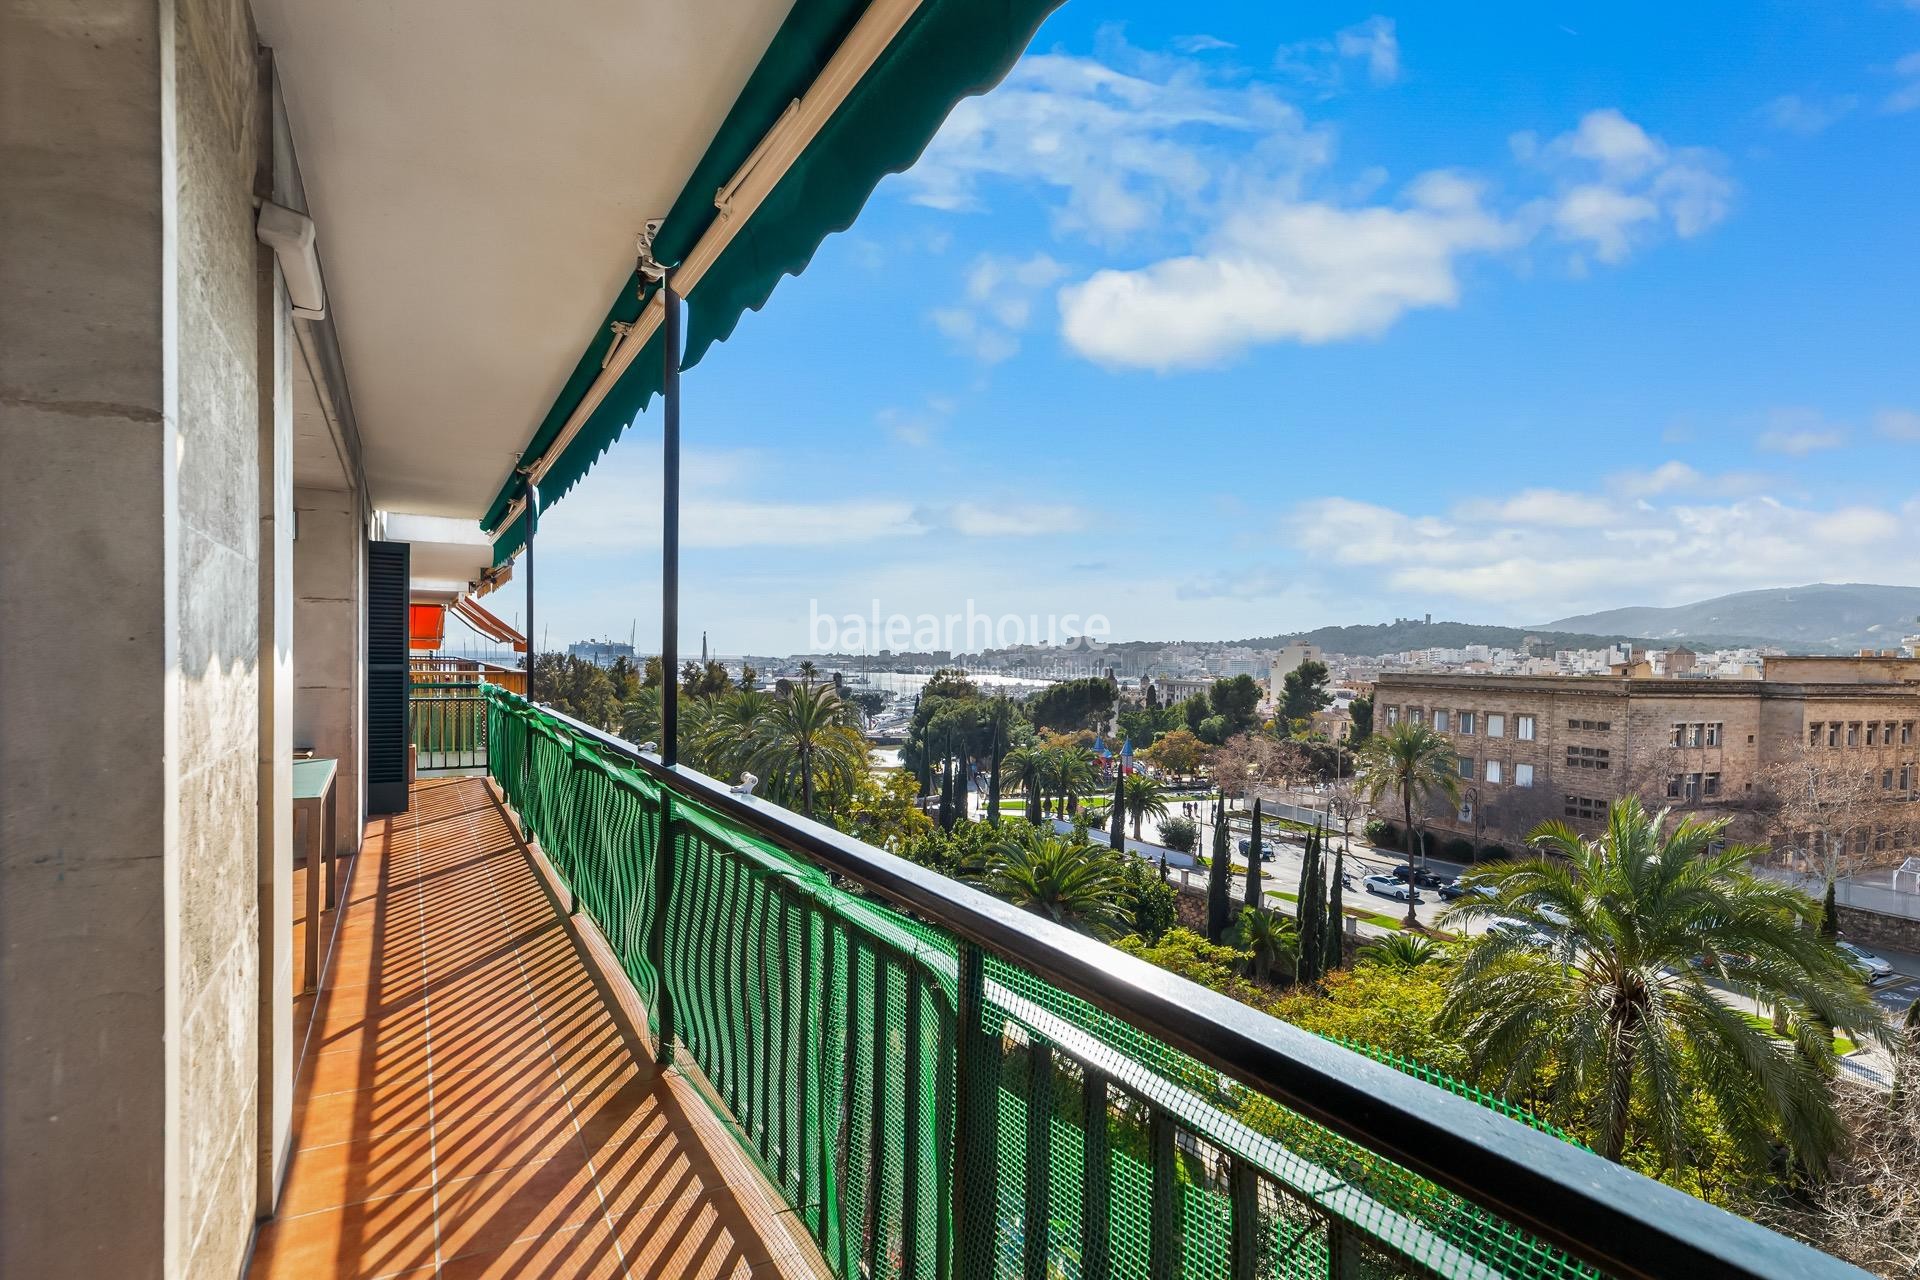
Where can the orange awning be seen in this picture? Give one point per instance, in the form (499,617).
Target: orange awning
(488,625)
(426,626)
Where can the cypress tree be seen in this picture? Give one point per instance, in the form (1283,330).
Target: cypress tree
(1336,917)
(1829,915)
(1307,908)
(1253,862)
(946,790)
(993,778)
(1219,874)
(1117,828)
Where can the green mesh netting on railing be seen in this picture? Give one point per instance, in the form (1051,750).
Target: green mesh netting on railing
(828,1026)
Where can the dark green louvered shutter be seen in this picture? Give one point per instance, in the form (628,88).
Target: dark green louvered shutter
(387,571)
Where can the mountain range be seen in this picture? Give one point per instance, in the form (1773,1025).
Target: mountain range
(1821,617)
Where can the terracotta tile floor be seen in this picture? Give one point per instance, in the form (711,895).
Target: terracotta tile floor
(467,1107)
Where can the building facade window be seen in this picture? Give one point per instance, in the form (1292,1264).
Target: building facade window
(1493,771)
(1523,728)
(1710,785)
(1496,725)
(1590,726)
(1589,758)
(1586,808)
(1813,734)
(1523,775)
(1465,765)
(1440,719)
(1906,732)
(1713,734)
(1873,732)
(1393,716)
(1416,716)
(1853,734)
(1466,723)
(1833,733)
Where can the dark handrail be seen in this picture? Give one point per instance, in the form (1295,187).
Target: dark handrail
(1624,1223)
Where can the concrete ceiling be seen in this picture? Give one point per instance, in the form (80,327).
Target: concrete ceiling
(477,170)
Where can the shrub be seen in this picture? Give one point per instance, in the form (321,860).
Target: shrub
(1494,853)
(1457,850)
(1181,835)
(1381,832)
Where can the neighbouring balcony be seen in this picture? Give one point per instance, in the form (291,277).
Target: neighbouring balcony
(555,1043)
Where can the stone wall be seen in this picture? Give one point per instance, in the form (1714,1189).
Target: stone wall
(1871,929)
(329,584)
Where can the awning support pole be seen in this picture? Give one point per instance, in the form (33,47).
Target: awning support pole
(533,644)
(670,529)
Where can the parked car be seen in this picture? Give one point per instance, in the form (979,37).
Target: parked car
(1422,877)
(1459,888)
(1388,887)
(1508,927)
(1867,966)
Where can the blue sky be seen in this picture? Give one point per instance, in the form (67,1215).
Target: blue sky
(1324,313)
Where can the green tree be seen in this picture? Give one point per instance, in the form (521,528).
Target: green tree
(1195,709)
(1144,798)
(1219,877)
(1411,764)
(1310,902)
(1400,951)
(1303,691)
(1360,712)
(1152,903)
(885,810)
(1216,967)
(1213,730)
(1078,885)
(1066,772)
(575,687)
(1267,937)
(1615,1011)
(1067,705)
(1334,953)
(805,738)
(1252,896)
(1235,700)
(1024,770)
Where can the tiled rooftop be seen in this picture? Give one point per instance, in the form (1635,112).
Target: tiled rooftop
(468,1106)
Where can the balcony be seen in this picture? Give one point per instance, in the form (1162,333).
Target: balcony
(546,1048)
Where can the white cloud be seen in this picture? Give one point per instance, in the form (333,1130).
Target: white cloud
(1014,520)
(1643,552)
(1907,96)
(916,427)
(1276,267)
(1898,424)
(1616,185)
(1322,63)
(1123,151)
(1793,113)
(1797,432)
(1285,270)
(1553,507)
(1000,293)
(1202,43)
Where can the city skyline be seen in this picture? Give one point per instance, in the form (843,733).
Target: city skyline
(1187,329)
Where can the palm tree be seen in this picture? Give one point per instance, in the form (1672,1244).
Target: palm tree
(1616,1009)
(730,731)
(1078,885)
(1145,798)
(1412,764)
(806,737)
(1400,951)
(640,716)
(1068,770)
(1268,936)
(1024,769)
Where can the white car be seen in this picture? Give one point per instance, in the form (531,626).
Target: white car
(1388,887)
(1506,926)
(1867,966)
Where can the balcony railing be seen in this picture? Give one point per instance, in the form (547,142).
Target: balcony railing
(942,1085)
(439,670)
(447,710)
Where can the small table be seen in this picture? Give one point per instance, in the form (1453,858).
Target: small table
(313,797)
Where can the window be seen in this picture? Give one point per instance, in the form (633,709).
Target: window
(1416,716)
(1696,735)
(1440,722)
(1853,734)
(1523,728)
(1466,722)
(1523,775)
(1906,732)
(1590,726)
(1586,808)
(1713,735)
(1678,738)
(1393,716)
(1906,777)
(1493,771)
(1833,733)
(1873,731)
(1496,725)
(1710,784)
(1813,734)
(1466,765)
(1589,758)
(1886,779)
(1675,783)
(1691,790)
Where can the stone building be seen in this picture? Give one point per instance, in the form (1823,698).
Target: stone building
(1564,747)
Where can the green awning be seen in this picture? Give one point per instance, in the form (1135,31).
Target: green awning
(948,50)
